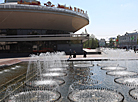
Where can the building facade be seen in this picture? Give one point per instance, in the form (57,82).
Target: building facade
(27,28)
(128,40)
(102,43)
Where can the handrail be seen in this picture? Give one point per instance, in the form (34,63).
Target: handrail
(42,8)
(55,35)
(17,82)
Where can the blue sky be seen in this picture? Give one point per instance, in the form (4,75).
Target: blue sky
(108,18)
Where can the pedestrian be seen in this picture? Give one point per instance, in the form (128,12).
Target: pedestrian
(70,53)
(74,54)
(134,49)
(85,54)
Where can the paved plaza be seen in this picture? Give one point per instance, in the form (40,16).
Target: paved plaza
(10,61)
(105,55)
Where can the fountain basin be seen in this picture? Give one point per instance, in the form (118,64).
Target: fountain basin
(129,81)
(57,69)
(134,93)
(54,74)
(121,73)
(35,96)
(83,65)
(114,68)
(95,95)
(46,83)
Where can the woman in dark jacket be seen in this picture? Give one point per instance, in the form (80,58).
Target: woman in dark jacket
(84,54)
(74,54)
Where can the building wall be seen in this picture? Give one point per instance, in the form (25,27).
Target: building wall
(18,20)
(102,42)
(25,48)
(18,0)
(129,40)
(66,47)
(30,19)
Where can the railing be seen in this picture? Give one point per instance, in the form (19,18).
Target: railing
(42,8)
(54,35)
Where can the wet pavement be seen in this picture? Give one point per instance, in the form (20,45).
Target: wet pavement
(10,69)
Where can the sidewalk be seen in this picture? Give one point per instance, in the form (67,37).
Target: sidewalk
(89,57)
(11,61)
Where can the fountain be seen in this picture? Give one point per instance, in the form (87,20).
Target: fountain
(89,90)
(95,95)
(45,74)
(115,80)
(83,64)
(134,93)
(113,68)
(131,81)
(42,84)
(83,68)
(107,64)
(121,73)
(35,96)
(81,84)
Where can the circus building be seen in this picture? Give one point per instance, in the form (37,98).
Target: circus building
(28,27)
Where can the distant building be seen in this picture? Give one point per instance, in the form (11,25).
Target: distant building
(102,43)
(112,42)
(128,40)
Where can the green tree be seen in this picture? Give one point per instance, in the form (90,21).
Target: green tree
(117,40)
(91,43)
(111,43)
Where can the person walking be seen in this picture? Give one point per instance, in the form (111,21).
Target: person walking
(70,53)
(85,54)
(135,49)
(74,54)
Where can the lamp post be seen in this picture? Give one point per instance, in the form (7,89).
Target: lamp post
(88,39)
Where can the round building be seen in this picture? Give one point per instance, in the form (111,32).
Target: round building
(28,27)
